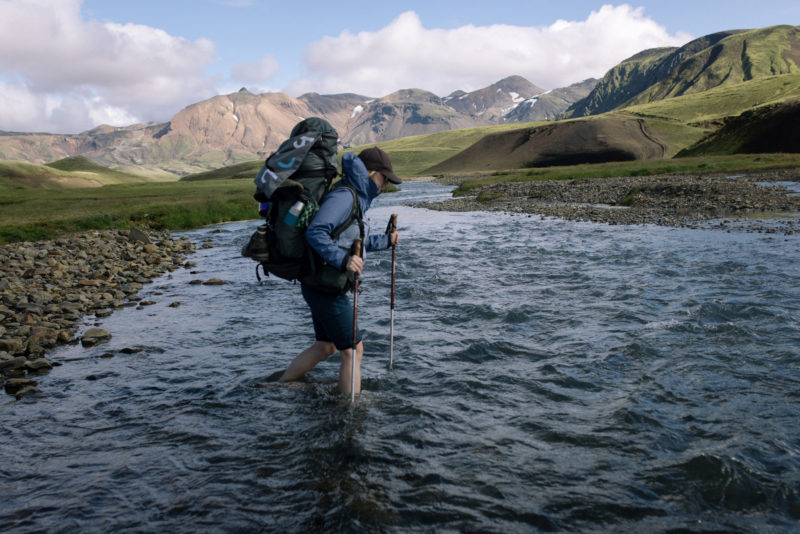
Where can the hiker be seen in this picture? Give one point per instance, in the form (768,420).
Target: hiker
(332,314)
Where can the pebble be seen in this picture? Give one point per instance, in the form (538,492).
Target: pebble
(47,287)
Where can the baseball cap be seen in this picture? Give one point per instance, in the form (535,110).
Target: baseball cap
(376,159)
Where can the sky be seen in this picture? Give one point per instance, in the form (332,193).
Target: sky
(67,66)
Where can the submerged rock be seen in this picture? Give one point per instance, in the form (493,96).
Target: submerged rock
(15,385)
(93,336)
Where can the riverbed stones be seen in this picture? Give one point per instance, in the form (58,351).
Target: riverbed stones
(46,287)
(666,200)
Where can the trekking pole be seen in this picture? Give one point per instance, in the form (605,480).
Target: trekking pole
(389,229)
(355,250)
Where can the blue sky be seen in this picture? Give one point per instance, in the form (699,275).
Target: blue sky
(69,65)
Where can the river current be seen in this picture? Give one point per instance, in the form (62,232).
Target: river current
(549,376)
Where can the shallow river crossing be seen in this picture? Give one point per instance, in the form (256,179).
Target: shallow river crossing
(550,376)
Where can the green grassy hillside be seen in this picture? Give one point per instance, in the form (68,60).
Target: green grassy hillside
(83,166)
(716,60)
(740,57)
(767,129)
(70,172)
(623,82)
(722,102)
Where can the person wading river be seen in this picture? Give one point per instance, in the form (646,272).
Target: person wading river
(332,314)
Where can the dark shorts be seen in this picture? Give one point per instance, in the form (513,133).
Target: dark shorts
(332,316)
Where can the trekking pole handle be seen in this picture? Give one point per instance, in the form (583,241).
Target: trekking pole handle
(355,249)
(392,226)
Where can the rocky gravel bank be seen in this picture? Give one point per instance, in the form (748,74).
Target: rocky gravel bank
(668,200)
(47,287)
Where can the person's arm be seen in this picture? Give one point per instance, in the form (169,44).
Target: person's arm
(333,212)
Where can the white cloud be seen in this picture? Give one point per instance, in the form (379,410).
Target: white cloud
(66,74)
(405,54)
(256,72)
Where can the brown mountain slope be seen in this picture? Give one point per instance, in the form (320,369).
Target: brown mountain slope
(564,143)
(246,124)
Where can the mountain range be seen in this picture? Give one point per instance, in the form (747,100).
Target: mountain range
(243,126)
(655,104)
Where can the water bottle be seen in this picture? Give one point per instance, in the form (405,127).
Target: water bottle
(293,213)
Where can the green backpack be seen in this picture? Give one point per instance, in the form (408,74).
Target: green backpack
(293,182)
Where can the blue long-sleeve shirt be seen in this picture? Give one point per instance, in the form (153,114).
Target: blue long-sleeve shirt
(334,211)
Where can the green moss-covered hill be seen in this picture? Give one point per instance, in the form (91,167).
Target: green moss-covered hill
(720,59)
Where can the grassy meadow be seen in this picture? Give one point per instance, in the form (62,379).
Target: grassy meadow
(35,213)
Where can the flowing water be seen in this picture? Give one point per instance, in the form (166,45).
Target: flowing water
(549,376)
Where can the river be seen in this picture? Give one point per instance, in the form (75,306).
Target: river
(549,376)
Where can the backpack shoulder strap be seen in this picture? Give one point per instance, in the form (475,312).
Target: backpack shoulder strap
(355,213)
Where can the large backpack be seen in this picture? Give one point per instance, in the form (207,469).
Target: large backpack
(293,182)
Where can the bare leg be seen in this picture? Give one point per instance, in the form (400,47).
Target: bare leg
(307,360)
(345,369)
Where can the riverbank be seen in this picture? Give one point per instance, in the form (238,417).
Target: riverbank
(47,287)
(714,201)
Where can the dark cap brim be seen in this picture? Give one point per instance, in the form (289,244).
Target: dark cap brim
(391,177)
